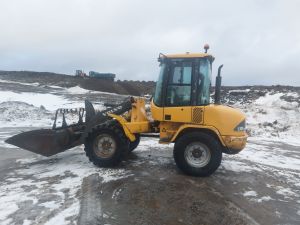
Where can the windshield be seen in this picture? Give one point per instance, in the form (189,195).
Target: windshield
(158,90)
(204,82)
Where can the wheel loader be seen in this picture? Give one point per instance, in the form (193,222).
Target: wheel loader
(181,113)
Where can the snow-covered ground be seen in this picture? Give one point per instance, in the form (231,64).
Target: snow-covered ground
(48,186)
(43,190)
(25,109)
(47,190)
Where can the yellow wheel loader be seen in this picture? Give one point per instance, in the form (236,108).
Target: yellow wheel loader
(181,113)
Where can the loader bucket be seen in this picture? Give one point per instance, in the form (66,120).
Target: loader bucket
(46,142)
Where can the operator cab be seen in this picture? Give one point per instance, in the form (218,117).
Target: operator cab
(184,80)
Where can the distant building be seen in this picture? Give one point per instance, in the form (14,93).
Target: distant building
(104,76)
(80,73)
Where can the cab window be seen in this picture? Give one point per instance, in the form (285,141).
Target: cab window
(159,86)
(204,82)
(179,84)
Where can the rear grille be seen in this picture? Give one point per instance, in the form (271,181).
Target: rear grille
(197,115)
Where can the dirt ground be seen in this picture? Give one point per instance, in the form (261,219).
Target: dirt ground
(146,188)
(158,193)
(125,87)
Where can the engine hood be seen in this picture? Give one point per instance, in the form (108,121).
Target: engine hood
(224,118)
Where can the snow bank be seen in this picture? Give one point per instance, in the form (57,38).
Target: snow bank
(239,91)
(49,101)
(21,114)
(29,109)
(15,82)
(26,109)
(80,91)
(77,90)
(275,116)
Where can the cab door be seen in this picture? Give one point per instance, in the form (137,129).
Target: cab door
(201,95)
(178,92)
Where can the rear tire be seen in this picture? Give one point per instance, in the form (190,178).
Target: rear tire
(197,154)
(133,145)
(106,144)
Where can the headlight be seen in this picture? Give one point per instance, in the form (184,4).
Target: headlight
(241,126)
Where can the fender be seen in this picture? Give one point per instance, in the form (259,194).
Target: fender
(122,122)
(194,126)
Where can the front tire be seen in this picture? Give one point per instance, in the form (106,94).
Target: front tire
(106,145)
(197,154)
(133,145)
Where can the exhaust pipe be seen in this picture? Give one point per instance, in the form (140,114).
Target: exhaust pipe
(218,86)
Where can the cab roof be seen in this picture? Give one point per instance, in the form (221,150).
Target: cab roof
(187,55)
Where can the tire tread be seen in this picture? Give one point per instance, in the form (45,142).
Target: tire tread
(114,128)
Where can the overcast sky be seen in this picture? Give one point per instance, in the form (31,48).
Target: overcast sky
(258,41)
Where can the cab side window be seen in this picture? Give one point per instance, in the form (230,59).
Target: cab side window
(179,84)
(204,82)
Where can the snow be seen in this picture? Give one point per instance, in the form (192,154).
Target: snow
(26,222)
(239,91)
(15,82)
(21,114)
(264,198)
(4,136)
(55,175)
(237,166)
(49,101)
(252,196)
(78,90)
(250,193)
(116,192)
(6,210)
(286,192)
(35,109)
(264,155)
(272,117)
(51,205)
(11,193)
(53,86)
(61,218)
(269,99)
(6,222)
